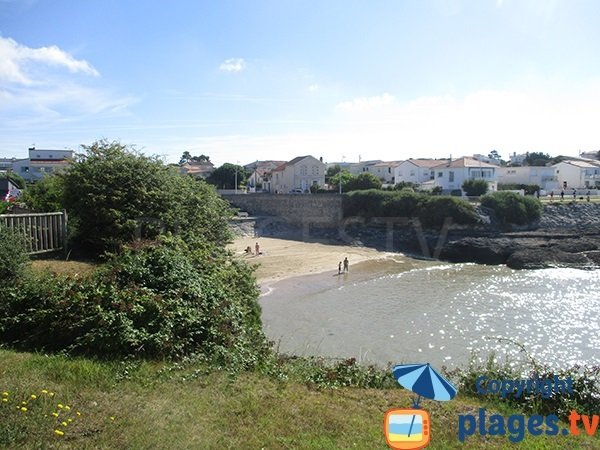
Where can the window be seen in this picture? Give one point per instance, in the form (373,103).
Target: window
(450,176)
(389,170)
(440,174)
(24,169)
(315,170)
(303,170)
(412,173)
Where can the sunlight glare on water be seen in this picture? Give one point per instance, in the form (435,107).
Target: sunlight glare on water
(440,313)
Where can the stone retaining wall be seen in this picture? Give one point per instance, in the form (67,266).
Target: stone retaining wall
(320,210)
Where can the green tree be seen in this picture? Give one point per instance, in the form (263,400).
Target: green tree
(342,176)
(15,179)
(363,182)
(115,194)
(224,177)
(187,157)
(537,159)
(475,188)
(46,195)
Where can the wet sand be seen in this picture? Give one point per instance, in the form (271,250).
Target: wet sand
(282,259)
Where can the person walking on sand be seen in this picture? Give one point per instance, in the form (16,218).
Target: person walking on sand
(340,268)
(562,195)
(257,249)
(346,264)
(588,196)
(551,195)
(574,194)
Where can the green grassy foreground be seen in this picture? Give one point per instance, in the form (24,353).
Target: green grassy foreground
(151,405)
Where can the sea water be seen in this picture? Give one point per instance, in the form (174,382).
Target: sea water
(406,311)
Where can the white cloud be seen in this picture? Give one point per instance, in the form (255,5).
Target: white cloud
(363,104)
(233,65)
(16,62)
(313,88)
(47,85)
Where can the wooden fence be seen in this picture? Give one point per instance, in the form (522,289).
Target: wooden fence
(43,232)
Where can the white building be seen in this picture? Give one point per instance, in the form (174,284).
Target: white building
(363,166)
(42,162)
(417,171)
(578,174)
(545,177)
(259,171)
(385,171)
(300,173)
(451,175)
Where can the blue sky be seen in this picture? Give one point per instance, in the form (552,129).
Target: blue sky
(273,79)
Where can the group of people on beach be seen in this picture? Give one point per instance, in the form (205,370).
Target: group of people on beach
(248,250)
(346,266)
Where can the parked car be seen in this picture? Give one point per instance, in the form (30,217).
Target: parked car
(297,191)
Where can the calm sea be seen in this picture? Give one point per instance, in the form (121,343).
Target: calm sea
(401,310)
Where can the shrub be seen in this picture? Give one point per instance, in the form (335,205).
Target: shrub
(513,208)
(434,210)
(46,195)
(475,188)
(431,210)
(363,182)
(529,189)
(13,256)
(114,194)
(153,301)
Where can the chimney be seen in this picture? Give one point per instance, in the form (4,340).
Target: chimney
(321,158)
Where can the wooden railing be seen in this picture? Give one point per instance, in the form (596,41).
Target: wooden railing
(43,232)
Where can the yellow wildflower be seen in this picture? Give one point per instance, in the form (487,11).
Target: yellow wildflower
(51,394)
(59,433)
(33,396)
(5,394)
(44,391)
(23,409)
(69,420)
(78,413)
(112,418)
(67,407)
(23,403)
(64,424)
(60,406)
(55,414)
(4,399)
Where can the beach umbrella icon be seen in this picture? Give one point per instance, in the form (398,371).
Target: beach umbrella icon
(424,381)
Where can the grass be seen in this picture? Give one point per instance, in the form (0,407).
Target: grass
(62,267)
(156,405)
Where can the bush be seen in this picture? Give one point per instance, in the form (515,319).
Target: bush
(529,189)
(431,210)
(475,188)
(153,301)
(46,195)
(513,208)
(362,182)
(13,255)
(114,195)
(434,210)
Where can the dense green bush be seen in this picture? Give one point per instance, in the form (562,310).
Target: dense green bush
(158,300)
(475,188)
(13,256)
(431,210)
(46,195)
(513,208)
(530,189)
(3,206)
(362,182)
(434,210)
(114,195)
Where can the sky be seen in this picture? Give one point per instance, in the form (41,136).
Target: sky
(345,80)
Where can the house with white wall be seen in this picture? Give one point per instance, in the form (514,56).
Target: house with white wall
(363,166)
(259,171)
(451,175)
(578,174)
(385,171)
(42,162)
(417,171)
(545,177)
(300,173)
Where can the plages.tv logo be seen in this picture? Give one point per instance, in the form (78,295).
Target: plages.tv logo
(410,428)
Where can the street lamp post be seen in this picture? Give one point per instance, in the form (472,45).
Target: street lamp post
(235,179)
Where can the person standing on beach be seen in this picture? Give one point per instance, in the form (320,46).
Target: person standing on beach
(551,195)
(562,195)
(346,264)
(339,268)
(257,249)
(574,194)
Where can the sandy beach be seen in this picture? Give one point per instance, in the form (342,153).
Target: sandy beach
(282,258)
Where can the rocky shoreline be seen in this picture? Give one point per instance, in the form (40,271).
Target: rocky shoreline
(567,235)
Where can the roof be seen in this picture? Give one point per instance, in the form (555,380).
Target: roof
(289,163)
(426,162)
(388,163)
(582,164)
(465,161)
